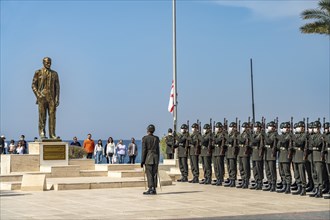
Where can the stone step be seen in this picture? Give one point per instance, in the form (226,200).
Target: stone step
(62,170)
(116,167)
(90,173)
(10,185)
(125,173)
(11,178)
(85,164)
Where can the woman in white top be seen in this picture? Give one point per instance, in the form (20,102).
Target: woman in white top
(121,151)
(110,150)
(98,151)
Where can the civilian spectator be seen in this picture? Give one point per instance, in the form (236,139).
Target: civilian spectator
(110,150)
(2,144)
(121,151)
(132,151)
(19,148)
(89,146)
(24,144)
(75,142)
(12,147)
(98,151)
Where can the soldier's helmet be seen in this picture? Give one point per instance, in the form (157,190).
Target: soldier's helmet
(317,124)
(271,124)
(184,126)
(245,125)
(170,130)
(311,125)
(207,126)
(295,125)
(257,124)
(195,125)
(301,124)
(282,125)
(218,125)
(286,124)
(326,125)
(151,128)
(233,124)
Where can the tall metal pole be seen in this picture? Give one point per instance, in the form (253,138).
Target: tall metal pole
(253,113)
(175,110)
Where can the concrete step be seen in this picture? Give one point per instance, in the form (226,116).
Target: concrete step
(62,170)
(125,173)
(85,164)
(11,178)
(116,167)
(90,173)
(10,185)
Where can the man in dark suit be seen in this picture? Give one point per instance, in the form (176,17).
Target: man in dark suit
(150,159)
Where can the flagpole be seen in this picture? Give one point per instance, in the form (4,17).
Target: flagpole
(174,68)
(174,72)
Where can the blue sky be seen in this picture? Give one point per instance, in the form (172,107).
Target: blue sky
(114,60)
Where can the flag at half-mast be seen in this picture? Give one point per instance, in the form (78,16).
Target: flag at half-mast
(171,102)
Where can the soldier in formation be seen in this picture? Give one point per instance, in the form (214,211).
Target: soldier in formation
(306,152)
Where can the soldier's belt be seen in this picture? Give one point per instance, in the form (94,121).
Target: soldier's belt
(241,145)
(181,144)
(316,149)
(297,148)
(229,145)
(267,146)
(216,145)
(203,147)
(282,148)
(255,147)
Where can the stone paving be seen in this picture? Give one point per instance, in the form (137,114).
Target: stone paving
(179,201)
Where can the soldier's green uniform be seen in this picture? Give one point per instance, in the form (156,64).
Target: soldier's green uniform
(206,154)
(270,156)
(326,151)
(315,145)
(311,173)
(194,151)
(150,158)
(182,144)
(169,139)
(284,159)
(218,153)
(298,148)
(257,156)
(232,152)
(244,155)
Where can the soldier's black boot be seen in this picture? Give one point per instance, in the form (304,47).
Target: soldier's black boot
(267,187)
(315,192)
(327,196)
(246,184)
(259,186)
(310,187)
(207,181)
(233,183)
(195,180)
(303,191)
(294,186)
(148,192)
(228,184)
(226,181)
(253,186)
(288,189)
(240,184)
(325,190)
(283,189)
(202,181)
(184,179)
(298,190)
(279,185)
(319,194)
(273,188)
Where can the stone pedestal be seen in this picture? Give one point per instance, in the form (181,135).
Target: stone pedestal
(51,153)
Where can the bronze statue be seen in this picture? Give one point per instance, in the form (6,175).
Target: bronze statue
(46,88)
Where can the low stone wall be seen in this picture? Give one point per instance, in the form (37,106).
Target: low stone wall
(19,163)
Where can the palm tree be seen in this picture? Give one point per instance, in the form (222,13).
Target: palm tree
(321,15)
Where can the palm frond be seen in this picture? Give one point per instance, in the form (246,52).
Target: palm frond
(325,5)
(316,27)
(315,14)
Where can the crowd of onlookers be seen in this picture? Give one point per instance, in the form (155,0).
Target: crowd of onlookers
(18,147)
(114,153)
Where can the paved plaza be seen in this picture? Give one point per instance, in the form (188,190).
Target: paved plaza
(179,201)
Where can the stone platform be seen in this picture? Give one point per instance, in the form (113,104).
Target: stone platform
(178,201)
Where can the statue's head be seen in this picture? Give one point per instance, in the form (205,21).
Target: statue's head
(47,62)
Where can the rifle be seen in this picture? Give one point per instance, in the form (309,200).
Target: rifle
(274,151)
(239,126)
(263,129)
(290,143)
(197,147)
(209,147)
(225,124)
(187,141)
(324,143)
(306,151)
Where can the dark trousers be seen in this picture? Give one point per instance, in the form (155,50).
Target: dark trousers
(245,170)
(270,170)
(285,173)
(258,170)
(219,167)
(183,165)
(207,167)
(132,159)
(194,164)
(232,172)
(299,174)
(170,156)
(89,155)
(308,166)
(151,172)
(319,167)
